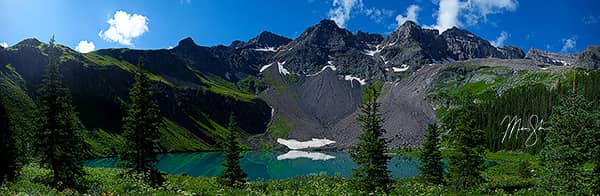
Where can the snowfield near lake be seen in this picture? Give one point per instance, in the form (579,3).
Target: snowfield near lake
(296,145)
(296,154)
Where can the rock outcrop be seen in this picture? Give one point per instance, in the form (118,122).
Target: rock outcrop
(590,58)
(551,58)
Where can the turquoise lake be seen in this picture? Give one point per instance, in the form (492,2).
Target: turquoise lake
(263,165)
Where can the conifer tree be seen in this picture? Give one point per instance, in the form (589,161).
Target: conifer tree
(431,157)
(466,162)
(232,175)
(140,129)
(571,142)
(372,175)
(8,150)
(59,139)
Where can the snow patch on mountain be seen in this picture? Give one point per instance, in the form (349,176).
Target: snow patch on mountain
(333,68)
(267,49)
(403,68)
(296,145)
(265,67)
(282,70)
(228,75)
(350,78)
(383,59)
(372,52)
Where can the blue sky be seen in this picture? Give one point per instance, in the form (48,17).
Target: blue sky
(555,25)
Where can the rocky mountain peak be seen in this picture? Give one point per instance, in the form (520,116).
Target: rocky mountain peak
(410,31)
(326,23)
(463,45)
(409,24)
(317,46)
(29,42)
(267,39)
(326,34)
(455,33)
(187,43)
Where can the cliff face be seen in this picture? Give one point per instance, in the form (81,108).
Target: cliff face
(465,45)
(551,58)
(590,58)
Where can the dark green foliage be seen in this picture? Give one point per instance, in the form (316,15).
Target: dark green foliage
(524,103)
(252,84)
(372,175)
(466,162)
(8,149)
(59,140)
(524,169)
(21,111)
(571,142)
(431,167)
(529,104)
(140,129)
(232,175)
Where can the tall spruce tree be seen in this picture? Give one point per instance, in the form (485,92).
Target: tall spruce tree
(8,149)
(372,175)
(466,162)
(59,139)
(140,129)
(232,175)
(572,141)
(431,157)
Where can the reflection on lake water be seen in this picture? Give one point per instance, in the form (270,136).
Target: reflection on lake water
(296,154)
(268,165)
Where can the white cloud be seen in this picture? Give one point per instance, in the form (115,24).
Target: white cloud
(412,12)
(499,42)
(84,46)
(340,13)
(480,9)
(568,44)
(447,16)
(590,19)
(452,12)
(343,10)
(124,27)
(377,15)
(4,45)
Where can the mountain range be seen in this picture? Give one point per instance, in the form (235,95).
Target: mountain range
(302,88)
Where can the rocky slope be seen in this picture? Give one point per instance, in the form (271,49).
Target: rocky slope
(590,58)
(551,58)
(318,77)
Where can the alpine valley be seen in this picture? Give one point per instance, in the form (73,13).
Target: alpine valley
(281,88)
